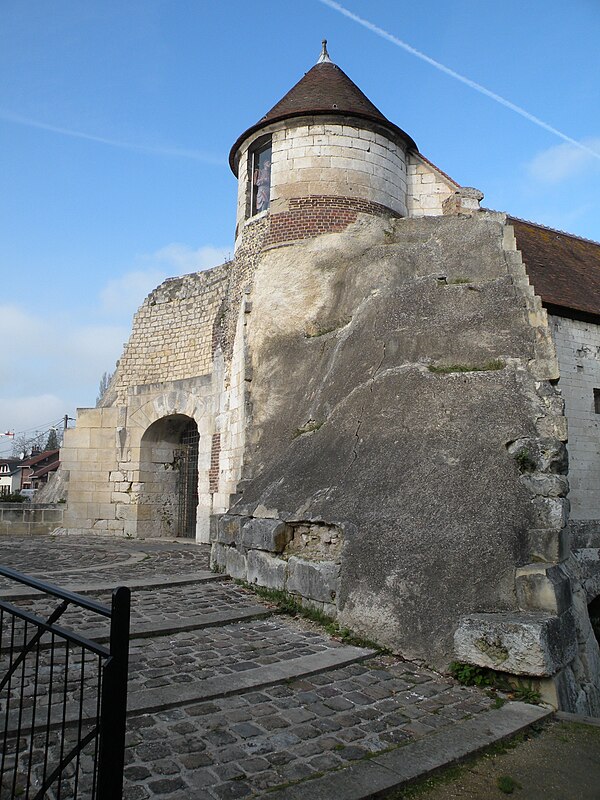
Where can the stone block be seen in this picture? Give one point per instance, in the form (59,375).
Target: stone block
(52,515)
(543,588)
(550,512)
(546,484)
(235,564)
(218,556)
(316,580)
(266,570)
(266,534)
(548,545)
(534,644)
(120,497)
(227,529)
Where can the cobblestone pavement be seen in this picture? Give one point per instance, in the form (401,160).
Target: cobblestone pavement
(239,708)
(95,559)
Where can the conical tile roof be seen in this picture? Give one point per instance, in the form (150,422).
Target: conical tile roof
(324,89)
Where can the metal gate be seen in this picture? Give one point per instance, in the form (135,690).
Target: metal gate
(63,696)
(187,458)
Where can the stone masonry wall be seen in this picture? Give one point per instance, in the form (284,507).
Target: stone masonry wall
(342,159)
(325,156)
(578,350)
(18,518)
(172,336)
(427,189)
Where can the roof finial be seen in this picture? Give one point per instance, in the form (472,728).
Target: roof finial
(324,57)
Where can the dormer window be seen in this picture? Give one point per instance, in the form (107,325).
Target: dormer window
(260,176)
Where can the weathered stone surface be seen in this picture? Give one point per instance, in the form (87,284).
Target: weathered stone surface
(550,512)
(543,588)
(523,644)
(412,465)
(313,579)
(235,563)
(218,556)
(227,530)
(265,534)
(266,570)
(546,484)
(548,544)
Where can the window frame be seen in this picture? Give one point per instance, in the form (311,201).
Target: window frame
(256,150)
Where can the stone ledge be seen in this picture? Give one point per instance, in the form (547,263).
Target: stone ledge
(534,644)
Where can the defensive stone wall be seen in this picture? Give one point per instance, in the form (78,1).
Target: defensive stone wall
(30,518)
(578,350)
(172,336)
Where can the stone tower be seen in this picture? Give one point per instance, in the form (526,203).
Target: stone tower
(320,155)
(360,408)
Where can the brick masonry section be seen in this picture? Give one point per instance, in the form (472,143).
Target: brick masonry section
(213,473)
(317,214)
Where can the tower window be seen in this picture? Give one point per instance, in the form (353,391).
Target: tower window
(597,401)
(260,177)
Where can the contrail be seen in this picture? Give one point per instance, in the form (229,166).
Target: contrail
(457,76)
(140,148)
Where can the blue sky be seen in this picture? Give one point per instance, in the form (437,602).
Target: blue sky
(116,119)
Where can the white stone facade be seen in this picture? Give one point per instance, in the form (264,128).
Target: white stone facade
(578,350)
(428,188)
(338,157)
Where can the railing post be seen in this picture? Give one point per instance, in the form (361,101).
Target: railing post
(114,700)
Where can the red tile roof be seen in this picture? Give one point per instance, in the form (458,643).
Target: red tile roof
(51,467)
(47,454)
(564,269)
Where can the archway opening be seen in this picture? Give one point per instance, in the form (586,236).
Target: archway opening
(186,461)
(169,478)
(594,612)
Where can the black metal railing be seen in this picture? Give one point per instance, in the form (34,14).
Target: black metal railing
(63,696)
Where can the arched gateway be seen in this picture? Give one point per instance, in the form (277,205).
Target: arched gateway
(168,478)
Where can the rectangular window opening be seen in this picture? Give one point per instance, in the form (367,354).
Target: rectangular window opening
(260,178)
(596,401)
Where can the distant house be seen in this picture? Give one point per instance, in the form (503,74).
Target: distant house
(36,469)
(10,475)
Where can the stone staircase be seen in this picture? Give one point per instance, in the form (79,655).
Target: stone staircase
(229,699)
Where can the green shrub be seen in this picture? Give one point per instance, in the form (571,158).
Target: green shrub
(12,498)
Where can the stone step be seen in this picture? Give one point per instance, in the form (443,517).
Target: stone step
(173,696)
(391,771)
(176,695)
(100,587)
(214,620)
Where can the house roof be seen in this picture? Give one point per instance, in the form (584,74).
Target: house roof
(39,457)
(13,465)
(324,89)
(45,469)
(564,269)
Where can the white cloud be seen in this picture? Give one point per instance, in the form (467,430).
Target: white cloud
(125,294)
(563,162)
(156,150)
(184,259)
(52,363)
